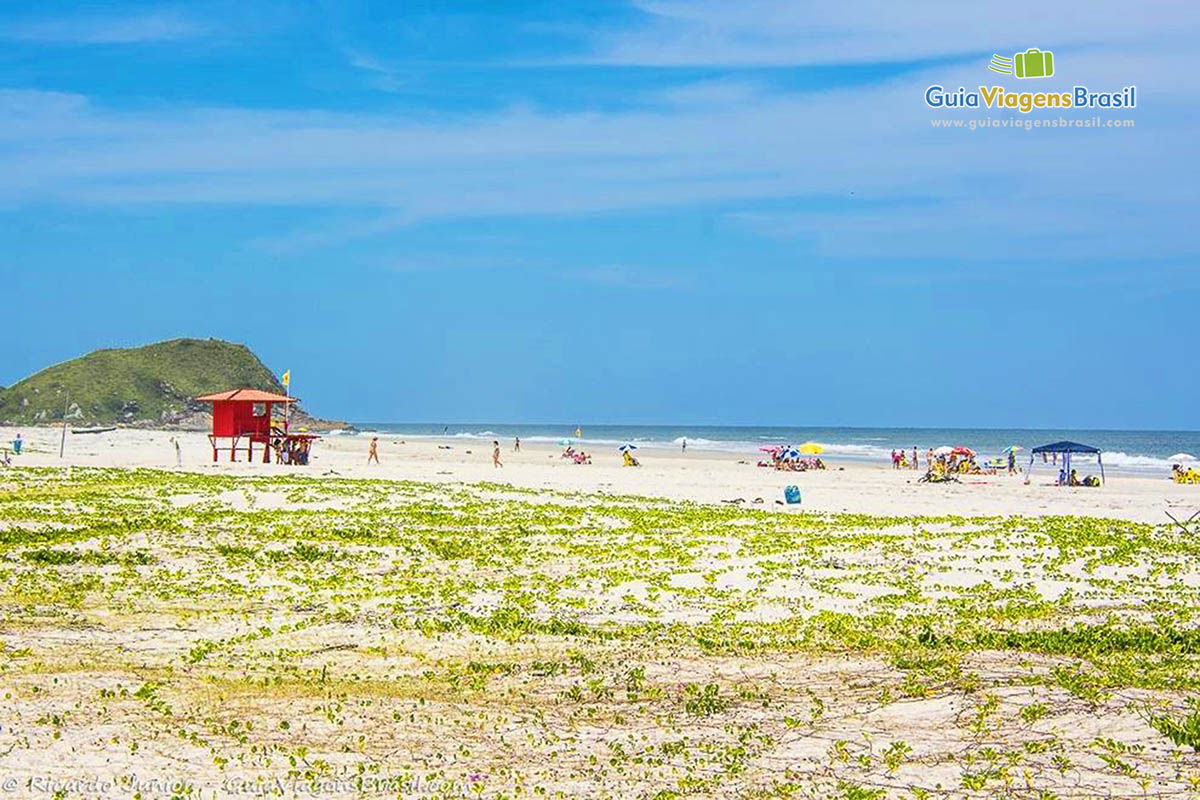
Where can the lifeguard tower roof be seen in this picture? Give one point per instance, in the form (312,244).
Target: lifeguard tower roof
(247,396)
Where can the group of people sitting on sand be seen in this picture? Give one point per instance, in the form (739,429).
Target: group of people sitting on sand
(790,461)
(577,456)
(1181,475)
(797,464)
(966,465)
(941,468)
(1073,479)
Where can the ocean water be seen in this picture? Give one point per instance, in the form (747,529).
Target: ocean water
(1142,452)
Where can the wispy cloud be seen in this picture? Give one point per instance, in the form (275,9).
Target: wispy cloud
(152,26)
(731,143)
(443,262)
(382,76)
(624,277)
(996,189)
(784,32)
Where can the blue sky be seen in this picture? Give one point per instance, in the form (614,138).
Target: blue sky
(642,212)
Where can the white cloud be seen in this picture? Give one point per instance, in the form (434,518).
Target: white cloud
(787,32)
(625,278)
(382,76)
(723,143)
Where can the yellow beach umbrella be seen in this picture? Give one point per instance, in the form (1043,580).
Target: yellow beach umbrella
(811,448)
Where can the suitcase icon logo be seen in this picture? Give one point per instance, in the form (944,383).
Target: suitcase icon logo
(1033,63)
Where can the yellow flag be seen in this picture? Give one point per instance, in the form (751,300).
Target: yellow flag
(286,379)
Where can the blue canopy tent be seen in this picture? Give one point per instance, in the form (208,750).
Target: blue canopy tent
(1066,449)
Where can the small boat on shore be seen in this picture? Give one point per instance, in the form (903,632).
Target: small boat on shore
(94,430)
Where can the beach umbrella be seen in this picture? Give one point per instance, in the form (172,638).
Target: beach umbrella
(564,442)
(811,448)
(962,451)
(791,453)
(943,451)
(1012,448)
(627,447)
(773,449)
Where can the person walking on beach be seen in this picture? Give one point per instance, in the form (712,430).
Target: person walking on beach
(178,454)
(496,454)
(17,442)
(373,450)
(1012,462)
(684,445)
(916,464)
(516,444)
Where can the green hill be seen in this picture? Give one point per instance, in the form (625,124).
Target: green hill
(151,385)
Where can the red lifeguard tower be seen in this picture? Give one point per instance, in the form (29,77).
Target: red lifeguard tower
(246,414)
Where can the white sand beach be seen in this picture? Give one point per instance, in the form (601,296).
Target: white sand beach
(459,630)
(698,475)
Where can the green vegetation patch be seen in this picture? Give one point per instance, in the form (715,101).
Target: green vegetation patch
(476,640)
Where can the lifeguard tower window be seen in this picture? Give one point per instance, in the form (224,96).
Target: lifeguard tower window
(260,409)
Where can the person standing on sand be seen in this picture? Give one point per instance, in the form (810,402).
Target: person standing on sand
(916,464)
(1012,462)
(929,459)
(496,454)
(373,450)
(516,444)
(178,454)
(684,446)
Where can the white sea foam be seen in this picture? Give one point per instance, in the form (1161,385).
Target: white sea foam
(1136,462)
(857,450)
